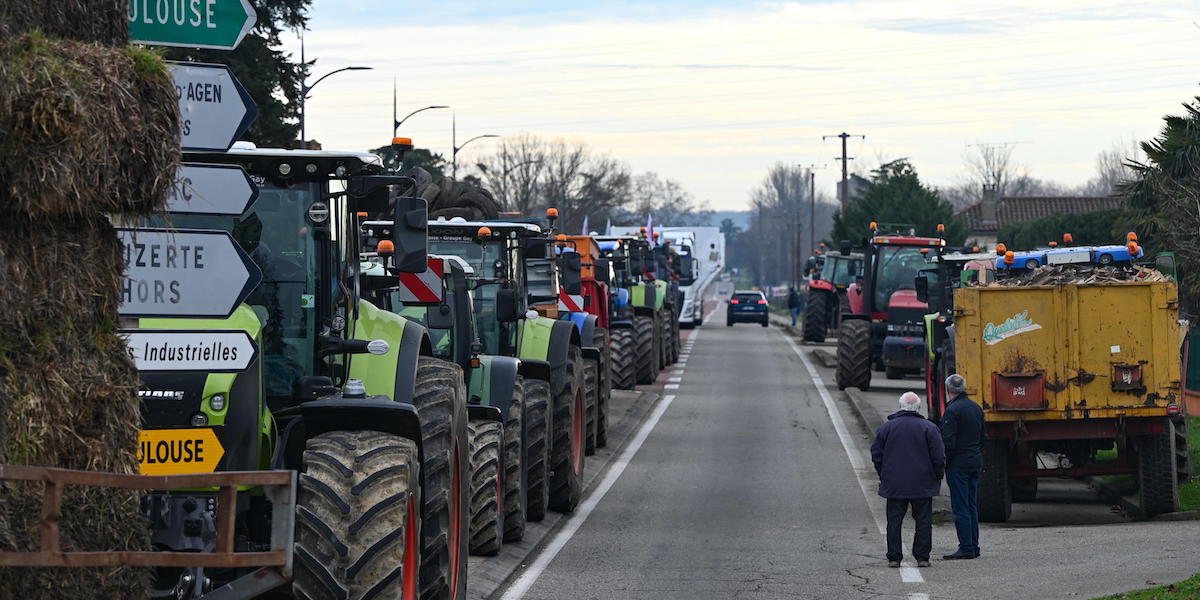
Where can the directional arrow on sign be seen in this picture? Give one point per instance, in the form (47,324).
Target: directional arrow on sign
(214,108)
(211,351)
(215,24)
(211,190)
(184,273)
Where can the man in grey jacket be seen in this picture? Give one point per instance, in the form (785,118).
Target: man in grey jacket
(963,434)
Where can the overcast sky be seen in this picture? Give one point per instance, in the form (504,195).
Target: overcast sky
(713,93)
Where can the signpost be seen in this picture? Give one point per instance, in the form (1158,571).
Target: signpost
(214,108)
(184,273)
(213,24)
(176,451)
(211,190)
(209,351)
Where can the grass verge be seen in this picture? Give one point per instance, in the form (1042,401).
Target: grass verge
(1188,589)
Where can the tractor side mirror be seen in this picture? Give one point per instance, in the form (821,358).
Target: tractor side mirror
(570,265)
(921,285)
(410,234)
(603,268)
(844,247)
(439,316)
(371,193)
(852,269)
(506,306)
(534,247)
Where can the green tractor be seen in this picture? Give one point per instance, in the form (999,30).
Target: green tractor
(515,299)
(641,315)
(346,394)
(440,299)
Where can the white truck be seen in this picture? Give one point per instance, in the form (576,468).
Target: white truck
(703,250)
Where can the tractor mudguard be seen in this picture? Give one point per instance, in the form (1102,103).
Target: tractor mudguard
(592,352)
(373,413)
(394,372)
(585,323)
(644,311)
(477,412)
(499,377)
(621,299)
(662,294)
(562,337)
(644,295)
(623,324)
(819,284)
(535,369)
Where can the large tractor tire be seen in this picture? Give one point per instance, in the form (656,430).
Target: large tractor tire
(591,403)
(514,509)
(440,399)
(646,350)
(487,520)
(854,355)
(816,324)
(606,376)
(624,358)
(995,494)
(566,451)
(537,448)
(893,372)
(1156,472)
(357,517)
(665,331)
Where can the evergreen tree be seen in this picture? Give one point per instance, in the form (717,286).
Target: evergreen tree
(896,198)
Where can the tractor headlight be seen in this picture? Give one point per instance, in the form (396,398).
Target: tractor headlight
(217,402)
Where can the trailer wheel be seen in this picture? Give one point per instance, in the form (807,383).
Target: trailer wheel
(893,372)
(606,377)
(1156,472)
(566,451)
(1183,463)
(815,321)
(646,355)
(624,358)
(995,495)
(357,517)
(1024,489)
(440,399)
(854,355)
(537,448)
(591,404)
(514,509)
(487,520)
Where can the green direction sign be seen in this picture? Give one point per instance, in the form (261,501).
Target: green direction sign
(216,24)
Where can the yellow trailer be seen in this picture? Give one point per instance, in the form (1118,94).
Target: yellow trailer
(1069,371)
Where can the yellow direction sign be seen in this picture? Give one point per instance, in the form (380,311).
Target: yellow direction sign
(178,451)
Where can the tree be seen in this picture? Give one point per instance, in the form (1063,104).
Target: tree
(267,72)
(897,196)
(432,162)
(1094,228)
(666,199)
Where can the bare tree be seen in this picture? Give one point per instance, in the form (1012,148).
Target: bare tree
(993,165)
(1112,168)
(667,200)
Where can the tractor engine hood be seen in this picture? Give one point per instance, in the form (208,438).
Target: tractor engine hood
(906,314)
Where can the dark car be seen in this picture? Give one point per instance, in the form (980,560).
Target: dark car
(746,306)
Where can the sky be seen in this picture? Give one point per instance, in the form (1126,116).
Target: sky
(712,94)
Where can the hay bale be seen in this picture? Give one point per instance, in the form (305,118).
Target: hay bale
(98,21)
(67,399)
(84,129)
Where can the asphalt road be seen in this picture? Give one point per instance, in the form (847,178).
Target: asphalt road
(740,486)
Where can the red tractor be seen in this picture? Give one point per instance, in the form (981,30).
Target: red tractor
(827,292)
(884,329)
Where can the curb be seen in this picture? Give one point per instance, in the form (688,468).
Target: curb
(1111,494)
(865,413)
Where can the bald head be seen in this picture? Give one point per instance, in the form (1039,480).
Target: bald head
(910,401)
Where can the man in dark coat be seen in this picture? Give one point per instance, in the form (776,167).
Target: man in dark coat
(963,434)
(795,304)
(910,461)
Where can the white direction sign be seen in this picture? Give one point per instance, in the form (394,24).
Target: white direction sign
(184,273)
(212,351)
(213,107)
(211,190)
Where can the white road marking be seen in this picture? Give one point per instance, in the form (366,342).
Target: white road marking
(674,379)
(576,520)
(677,372)
(671,386)
(866,478)
(918,596)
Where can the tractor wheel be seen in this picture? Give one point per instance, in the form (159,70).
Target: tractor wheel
(645,357)
(566,451)
(537,448)
(514,510)
(854,355)
(624,358)
(357,517)
(665,330)
(1024,489)
(591,403)
(893,372)
(1156,472)
(674,337)
(815,323)
(440,399)
(606,377)
(995,495)
(843,308)
(487,520)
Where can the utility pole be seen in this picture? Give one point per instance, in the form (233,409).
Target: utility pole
(844,188)
(812,212)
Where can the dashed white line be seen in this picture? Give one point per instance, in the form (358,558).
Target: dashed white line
(674,379)
(918,596)
(671,386)
(575,521)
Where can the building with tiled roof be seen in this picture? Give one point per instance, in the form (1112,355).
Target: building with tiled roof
(986,217)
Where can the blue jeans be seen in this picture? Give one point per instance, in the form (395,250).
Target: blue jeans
(795,313)
(964,488)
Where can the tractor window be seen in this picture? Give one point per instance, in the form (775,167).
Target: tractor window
(440,339)
(896,268)
(837,271)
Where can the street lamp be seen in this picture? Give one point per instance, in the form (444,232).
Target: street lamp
(454,154)
(396,124)
(305,89)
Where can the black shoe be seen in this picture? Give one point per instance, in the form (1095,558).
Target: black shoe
(895,564)
(923,563)
(960,555)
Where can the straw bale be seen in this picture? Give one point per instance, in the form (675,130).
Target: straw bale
(84,128)
(99,21)
(67,399)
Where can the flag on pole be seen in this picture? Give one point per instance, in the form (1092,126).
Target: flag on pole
(608,227)
(585,224)
(650,229)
